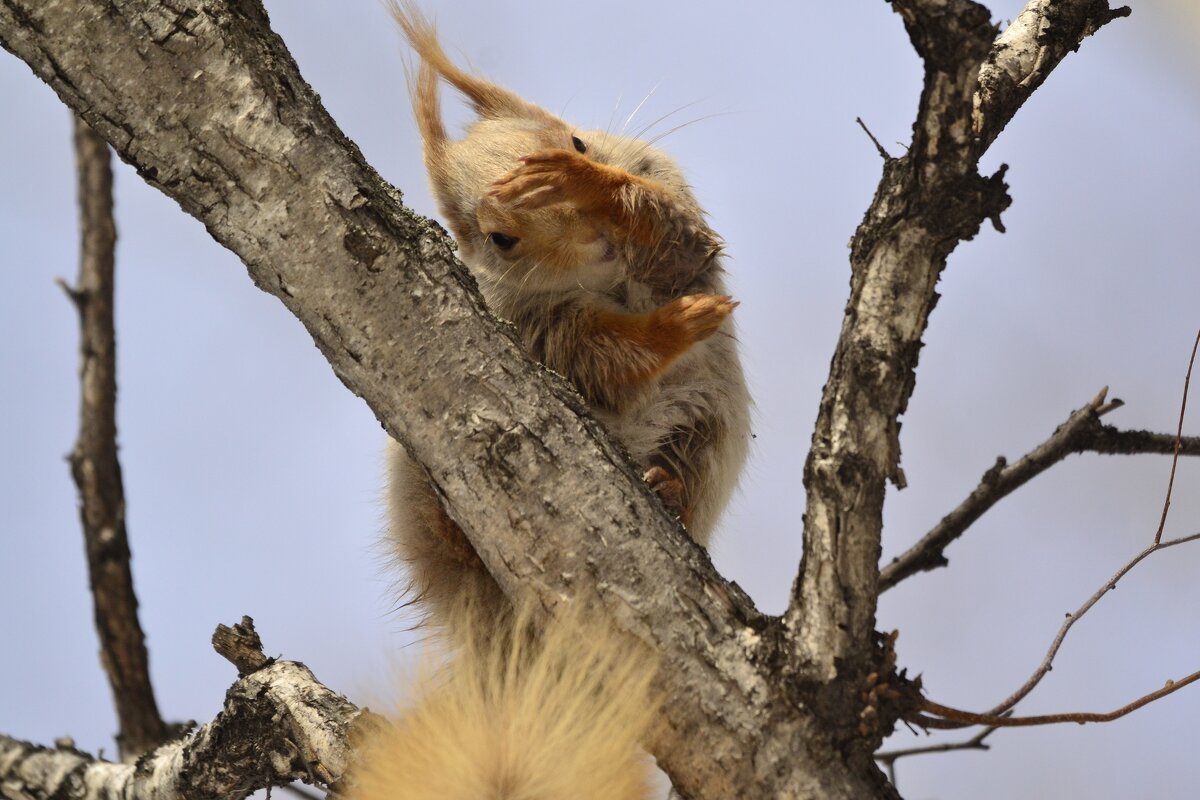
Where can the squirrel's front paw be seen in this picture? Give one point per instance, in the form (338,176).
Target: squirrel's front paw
(696,316)
(556,176)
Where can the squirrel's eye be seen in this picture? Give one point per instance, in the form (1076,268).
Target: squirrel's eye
(579,145)
(503,241)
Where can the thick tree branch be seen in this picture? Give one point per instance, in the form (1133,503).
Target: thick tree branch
(278,725)
(228,128)
(94,463)
(927,201)
(1024,55)
(1082,432)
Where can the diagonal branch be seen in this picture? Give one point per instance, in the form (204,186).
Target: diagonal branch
(927,202)
(1082,432)
(94,463)
(278,725)
(1024,55)
(1187,382)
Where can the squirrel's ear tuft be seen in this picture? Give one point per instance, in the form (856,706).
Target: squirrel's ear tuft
(488,99)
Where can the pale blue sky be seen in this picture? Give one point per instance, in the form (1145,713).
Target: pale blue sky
(254,477)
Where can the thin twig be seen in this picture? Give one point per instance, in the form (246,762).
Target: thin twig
(997,716)
(1082,432)
(1081,717)
(1187,380)
(94,463)
(976,742)
(882,152)
(1111,584)
(1071,619)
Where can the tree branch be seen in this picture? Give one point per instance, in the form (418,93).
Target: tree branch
(1079,717)
(1000,716)
(278,725)
(94,463)
(229,129)
(888,757)
(1187,382)
(928,200)
(1024,55)
(1082,432)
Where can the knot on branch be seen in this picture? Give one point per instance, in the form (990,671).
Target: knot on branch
(888,695)
(1074,22)
(241,646)
(976,198)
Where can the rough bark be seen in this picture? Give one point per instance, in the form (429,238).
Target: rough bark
(205,102)
(278,725)
(94,463)
(927,202)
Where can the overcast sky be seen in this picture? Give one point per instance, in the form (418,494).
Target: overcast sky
(254,478)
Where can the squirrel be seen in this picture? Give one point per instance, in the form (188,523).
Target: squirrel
(592,245)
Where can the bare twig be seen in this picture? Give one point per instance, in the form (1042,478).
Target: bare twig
(1187,380)
(1071,619)
(1082,432)
(998,716)
(884,154)
(240,646)
(976,742)
(1047,662)
(94,463)
(964,718)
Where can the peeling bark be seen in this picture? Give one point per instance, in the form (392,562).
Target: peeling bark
(278,725)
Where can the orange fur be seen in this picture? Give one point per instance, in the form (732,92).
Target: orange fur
(643,345)
(593,246)
(563,176)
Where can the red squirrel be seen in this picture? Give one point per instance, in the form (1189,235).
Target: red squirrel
(594,247)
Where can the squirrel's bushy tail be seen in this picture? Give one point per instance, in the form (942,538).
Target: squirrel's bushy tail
(520,716)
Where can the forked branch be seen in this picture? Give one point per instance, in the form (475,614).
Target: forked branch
(964,718)
(1082,432)
(947,717)
(927,201)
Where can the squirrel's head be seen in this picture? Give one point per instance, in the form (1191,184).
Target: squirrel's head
(529,250)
